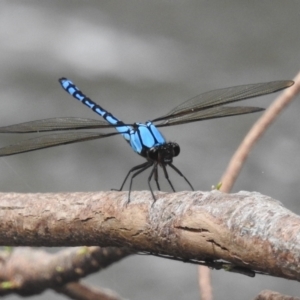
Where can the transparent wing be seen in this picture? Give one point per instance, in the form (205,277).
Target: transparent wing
(210,113)
(225,96)
(51,140)
(55,124)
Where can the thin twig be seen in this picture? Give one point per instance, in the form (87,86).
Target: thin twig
(238,159)
(258,129)
(204,277)
(80,291)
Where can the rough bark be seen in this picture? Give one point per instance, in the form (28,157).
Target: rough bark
(271,295)
(247,229)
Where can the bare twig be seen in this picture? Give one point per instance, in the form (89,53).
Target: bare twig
(78,291)
(238,159)
(205,283)
(257,130)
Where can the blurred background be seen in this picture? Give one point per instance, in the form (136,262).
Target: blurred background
(139,59)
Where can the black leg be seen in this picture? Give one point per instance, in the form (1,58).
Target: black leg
(149,179)
(131,170)
(143,167)
(167,177)
(178,172)
(156,178)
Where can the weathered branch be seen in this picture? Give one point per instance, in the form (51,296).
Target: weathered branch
(249,230)
(27,271)
(270,295)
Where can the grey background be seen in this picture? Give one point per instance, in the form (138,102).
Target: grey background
(139,59)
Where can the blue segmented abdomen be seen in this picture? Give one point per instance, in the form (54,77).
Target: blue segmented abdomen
(140,136)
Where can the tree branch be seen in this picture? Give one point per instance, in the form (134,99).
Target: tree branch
(19,275)
(249,230)
(270,295)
